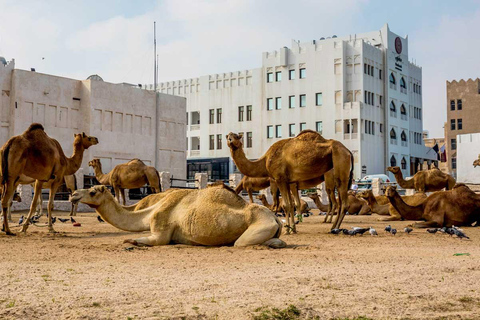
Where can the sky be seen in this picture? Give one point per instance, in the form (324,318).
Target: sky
(114,39)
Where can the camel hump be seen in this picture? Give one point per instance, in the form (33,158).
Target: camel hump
(309,135)
(35,126)
(136,160)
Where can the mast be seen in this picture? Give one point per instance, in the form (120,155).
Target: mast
(155,75)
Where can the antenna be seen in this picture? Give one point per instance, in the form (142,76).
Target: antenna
(155,55)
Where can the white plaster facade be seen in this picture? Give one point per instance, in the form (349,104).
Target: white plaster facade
(468,149)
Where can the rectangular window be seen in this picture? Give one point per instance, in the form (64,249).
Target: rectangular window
(278,130)
(319,99)
(373,98)
(459,124)
(278,103)
(291,102)
(365,66)
(452,105)
(379,73)
(452,124)
(366,97)
(212,142)
(381,127)
(249,139)
(219,115)
(372,69)
(373,127)
(367,125)
(249,113)
(269,132)
(381,100)
(319,126)
(219,141)
(303,73)
(212,116)
(303,100)
(278,76)
(270,104)
(269,77)
(459,104)
(303,126)
(454,163)
(291,130)
(240,113)
(454,144)
(291,74)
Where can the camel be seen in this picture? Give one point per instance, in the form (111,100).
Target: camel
(281,204)
(476,162)
(373,202)
(306,157)
(459,206)
(131,175)
(355,206)
(36,155)
(252,184)
(424,181)
(209,217)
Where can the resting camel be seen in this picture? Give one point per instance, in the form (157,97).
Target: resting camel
(424,181)
(355,206)
(476,162)
(36,155)
(251,184)
(281,204)
(459,206)
(131,175)
(210,217)
(306,157)
(373,202)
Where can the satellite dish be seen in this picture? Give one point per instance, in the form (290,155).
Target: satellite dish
(3,61)
(95,77)
(334,36)
(322,38)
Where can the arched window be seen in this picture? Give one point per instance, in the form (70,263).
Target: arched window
(392,79)
(403,84)
(452,104)
(403,136)
(393,161)
(393,107)
(403,110)
(404,163)
(393,134)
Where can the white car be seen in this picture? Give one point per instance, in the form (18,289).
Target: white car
(366,182)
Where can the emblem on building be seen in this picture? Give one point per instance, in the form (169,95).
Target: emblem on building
(398,45)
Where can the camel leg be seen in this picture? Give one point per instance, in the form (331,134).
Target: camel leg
(37,193)
(155,239)
(250,195)
(343,204)
(427,224)
(53,190)
(123,197)
(9,213)
(332,206)
(287,199)
(7,198)
(296,198)
(73,210)
(261,232)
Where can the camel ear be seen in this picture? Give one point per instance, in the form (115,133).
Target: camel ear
(102,188)
(240,135)
(83,134)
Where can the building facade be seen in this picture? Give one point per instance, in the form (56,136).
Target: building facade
(359,89)
(463,107)
(468,150)
(125,119)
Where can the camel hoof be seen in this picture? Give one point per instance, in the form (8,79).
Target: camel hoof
(131,241)
(10,233)
(52,231)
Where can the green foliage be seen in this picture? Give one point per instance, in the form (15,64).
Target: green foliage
(289,313)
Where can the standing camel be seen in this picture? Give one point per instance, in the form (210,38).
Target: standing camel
(424,181)
(131,175)
(306,157)
(36,155)
(252,184)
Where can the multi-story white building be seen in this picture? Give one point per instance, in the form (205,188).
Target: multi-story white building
(359,89)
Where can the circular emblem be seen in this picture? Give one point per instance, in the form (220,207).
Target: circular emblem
(398,45)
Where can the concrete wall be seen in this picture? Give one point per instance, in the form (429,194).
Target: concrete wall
(468,149)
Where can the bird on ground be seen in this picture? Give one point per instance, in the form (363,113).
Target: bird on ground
(388,228)
(460,234)
(394,231)
(373,232)
(407,230)
(63,220)
(336,231)
(54,219)
(457,228)
(443,230)
(21,220)
(100,219)
(432,230)
(360,230)
(450,231)
(72,220)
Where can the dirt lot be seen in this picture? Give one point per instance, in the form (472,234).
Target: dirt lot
(87,273)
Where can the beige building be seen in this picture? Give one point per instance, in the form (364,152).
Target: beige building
(124,118)
(463,107)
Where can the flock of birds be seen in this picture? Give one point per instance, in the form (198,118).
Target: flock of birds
(35,219)
(388,229)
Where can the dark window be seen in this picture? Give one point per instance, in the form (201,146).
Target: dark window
(454,163)
(393,161)
(452,124)
(249,113)
(403,110)
(403,136)
(269,132)
(372,71)
(459,124)
(379,73)
(219,141)
(303,126)
(404,163)
(366,97)
(403,84)
(270,77)
(452,105)
(392,79)
(240,113)
(212,116)
(366,126)
(291,74)
(319,99)
(393,134)
(303,73)
(373,127)
(249,139)
(270,104)
(291,102)
(278,76)
(319,126)
(278,103)
(373,98)
(291,130)
(381,127)
(393,107)
(212,142)
(365,66)
(278,131)
(459,104)
(303,100)
(219,115)
(454,144)
(381,100)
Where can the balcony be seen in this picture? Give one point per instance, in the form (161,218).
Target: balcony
(393,86)
(194,153)
(393,114)
(404,143)
(194,127)
(403,90)
(404,117)
(393,141)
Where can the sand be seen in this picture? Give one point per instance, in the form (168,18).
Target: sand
(87,273)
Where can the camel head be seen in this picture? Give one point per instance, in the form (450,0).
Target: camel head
(95,163)
(260,196)
(476,162)
(394,170)
(93,197)
(313,195)
(363,194)
(391,190)
(234,141)
(84,140)
(351,192)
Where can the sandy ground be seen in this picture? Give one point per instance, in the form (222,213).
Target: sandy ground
(87,273)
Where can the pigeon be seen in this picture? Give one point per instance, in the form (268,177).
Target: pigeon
(361,230)
(394,231)
(432,230)
(72,220)
(345,231)
(407,230)
(373,232)
(443,230)
(100,219)
(388,228)
(54,219)
(335,231)
(21,220)
(63,220)
(460,234)
(450,231)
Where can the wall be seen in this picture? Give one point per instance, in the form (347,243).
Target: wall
(468,149)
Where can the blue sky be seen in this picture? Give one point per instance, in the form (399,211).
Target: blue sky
(114,38)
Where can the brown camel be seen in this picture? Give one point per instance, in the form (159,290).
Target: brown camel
(377,204)
(476,162)
(281,204)
(306,157)
(424,181)
(131,175)
(413,200)
(355,206)
(36,155)
(252,184)
(459,206)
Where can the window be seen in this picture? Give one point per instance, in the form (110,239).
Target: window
(403,136)
(381,127)
(393,134)
(303,73)
(367,126)
(380,100)
(291,130)
(249,113)
(372,71)
(278,103)
(404,163)
(366,97)
(303,100)
(212,116)
(270,104)
(219,115)
(319,99)
(319,127)
(393,161)
(278,131)
(291,102)
(392,80)
(269,132)
(241,110)
(219,141)
(373,127)
(291,74)
(459,124)
(303,126)
(403,84)
(403,111)
(372,98)
(278,76)
(212,142)
(454,163)
(393,108)
(365,66)
(269,77)
(452,124)
(454,144)
(459,104)
(379,73)
(249,139)
(452,105)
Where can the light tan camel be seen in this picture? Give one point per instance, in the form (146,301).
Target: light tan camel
(388,209)
(251,184)
(424,181)
(36,155)
(210,217)
(459,206)
(131,175)
(476,162)
(307,157)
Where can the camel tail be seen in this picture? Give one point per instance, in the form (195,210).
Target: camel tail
(4,157)
(159,182)
(350,179)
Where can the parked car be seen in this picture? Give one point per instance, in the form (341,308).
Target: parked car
(366,182)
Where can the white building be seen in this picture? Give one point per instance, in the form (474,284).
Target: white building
(360,89)
(468,149)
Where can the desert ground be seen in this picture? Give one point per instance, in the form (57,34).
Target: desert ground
(88,273)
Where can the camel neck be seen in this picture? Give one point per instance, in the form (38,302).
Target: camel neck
(249,168)
(372,202)
(121,218)
(407,212)
(319,204)
(75,161)
(101,177)
(265,202)
(406,184)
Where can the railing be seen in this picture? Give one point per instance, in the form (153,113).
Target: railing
(403,90)
(404,117)
(194,152)
(393,113)
(189,183)
(393,141)
(194,127)
(404,143)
